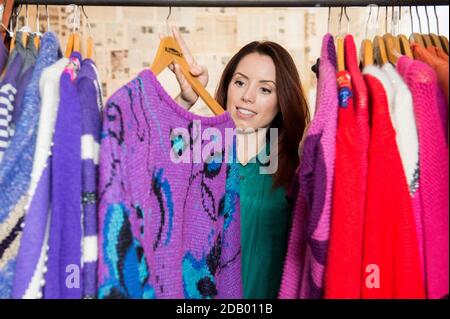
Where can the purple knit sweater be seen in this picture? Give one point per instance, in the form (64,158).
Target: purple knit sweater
(63,279)
(307,250)
(166,230)
(90,96)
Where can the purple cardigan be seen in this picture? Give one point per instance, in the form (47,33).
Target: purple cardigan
(308,243)
(63,279)
(88,86)
(167,230)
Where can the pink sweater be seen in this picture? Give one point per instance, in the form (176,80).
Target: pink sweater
(434,180)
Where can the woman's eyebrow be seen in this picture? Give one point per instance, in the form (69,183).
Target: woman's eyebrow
(261,81)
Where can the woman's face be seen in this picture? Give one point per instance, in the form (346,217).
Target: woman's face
(251,96)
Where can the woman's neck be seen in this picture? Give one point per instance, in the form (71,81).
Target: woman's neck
(250,143)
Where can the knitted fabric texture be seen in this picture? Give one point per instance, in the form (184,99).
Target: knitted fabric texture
(404,122)
(433,163)
(64,255)
(90,95)
(8,92)
(169,221)
(15,171)
(438,64)
(33,246)
(345,246)
(391,261)
(308,240)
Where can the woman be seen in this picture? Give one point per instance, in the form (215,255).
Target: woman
(261,89)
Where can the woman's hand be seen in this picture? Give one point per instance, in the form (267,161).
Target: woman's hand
(188,96)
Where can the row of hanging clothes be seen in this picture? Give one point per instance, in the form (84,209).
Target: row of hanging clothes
(92,204)
(49,139)
(372,210)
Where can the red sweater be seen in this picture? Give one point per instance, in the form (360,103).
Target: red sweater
(343,270)
(390,240)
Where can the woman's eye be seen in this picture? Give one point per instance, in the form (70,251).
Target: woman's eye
(266,91)
(239,83)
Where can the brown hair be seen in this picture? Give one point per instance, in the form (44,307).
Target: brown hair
(293,116)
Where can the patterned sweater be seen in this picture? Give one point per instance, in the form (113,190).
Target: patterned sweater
(169,221)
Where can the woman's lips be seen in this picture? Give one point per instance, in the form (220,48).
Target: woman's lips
(244,113)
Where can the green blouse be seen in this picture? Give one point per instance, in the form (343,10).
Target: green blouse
(265,218)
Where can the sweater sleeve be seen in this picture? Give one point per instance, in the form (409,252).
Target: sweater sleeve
(122,269)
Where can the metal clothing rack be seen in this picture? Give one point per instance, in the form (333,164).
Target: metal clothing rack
(239,3)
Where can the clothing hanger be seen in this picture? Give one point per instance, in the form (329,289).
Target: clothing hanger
(37,38)
(426,36)
(73,43)
(442,40)
(405,47)
(90,40)
(417,37)
(169,51)
(25,29)
(391,43)
(7,13)
(340,44)
(434,37)
(379,49)
(366,51)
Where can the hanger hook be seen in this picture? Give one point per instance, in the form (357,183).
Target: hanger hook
(329,15)
(26,14)
(418,17)
(368,22)
(340,20)
(37,19)
(48,17)
(87,20)
(411,17)
(428,19)
(348,20)
(167,21)
(437,20)
(386,19)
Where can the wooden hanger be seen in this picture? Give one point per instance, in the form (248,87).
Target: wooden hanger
(444,42)
(405,47)
(427,40)
(366,52)
(7,12)
(436,41)
(169,51)
(392,46)
(379,50)
(73,44)
(340,54)
(90,48)
(417,38)
(90,39)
